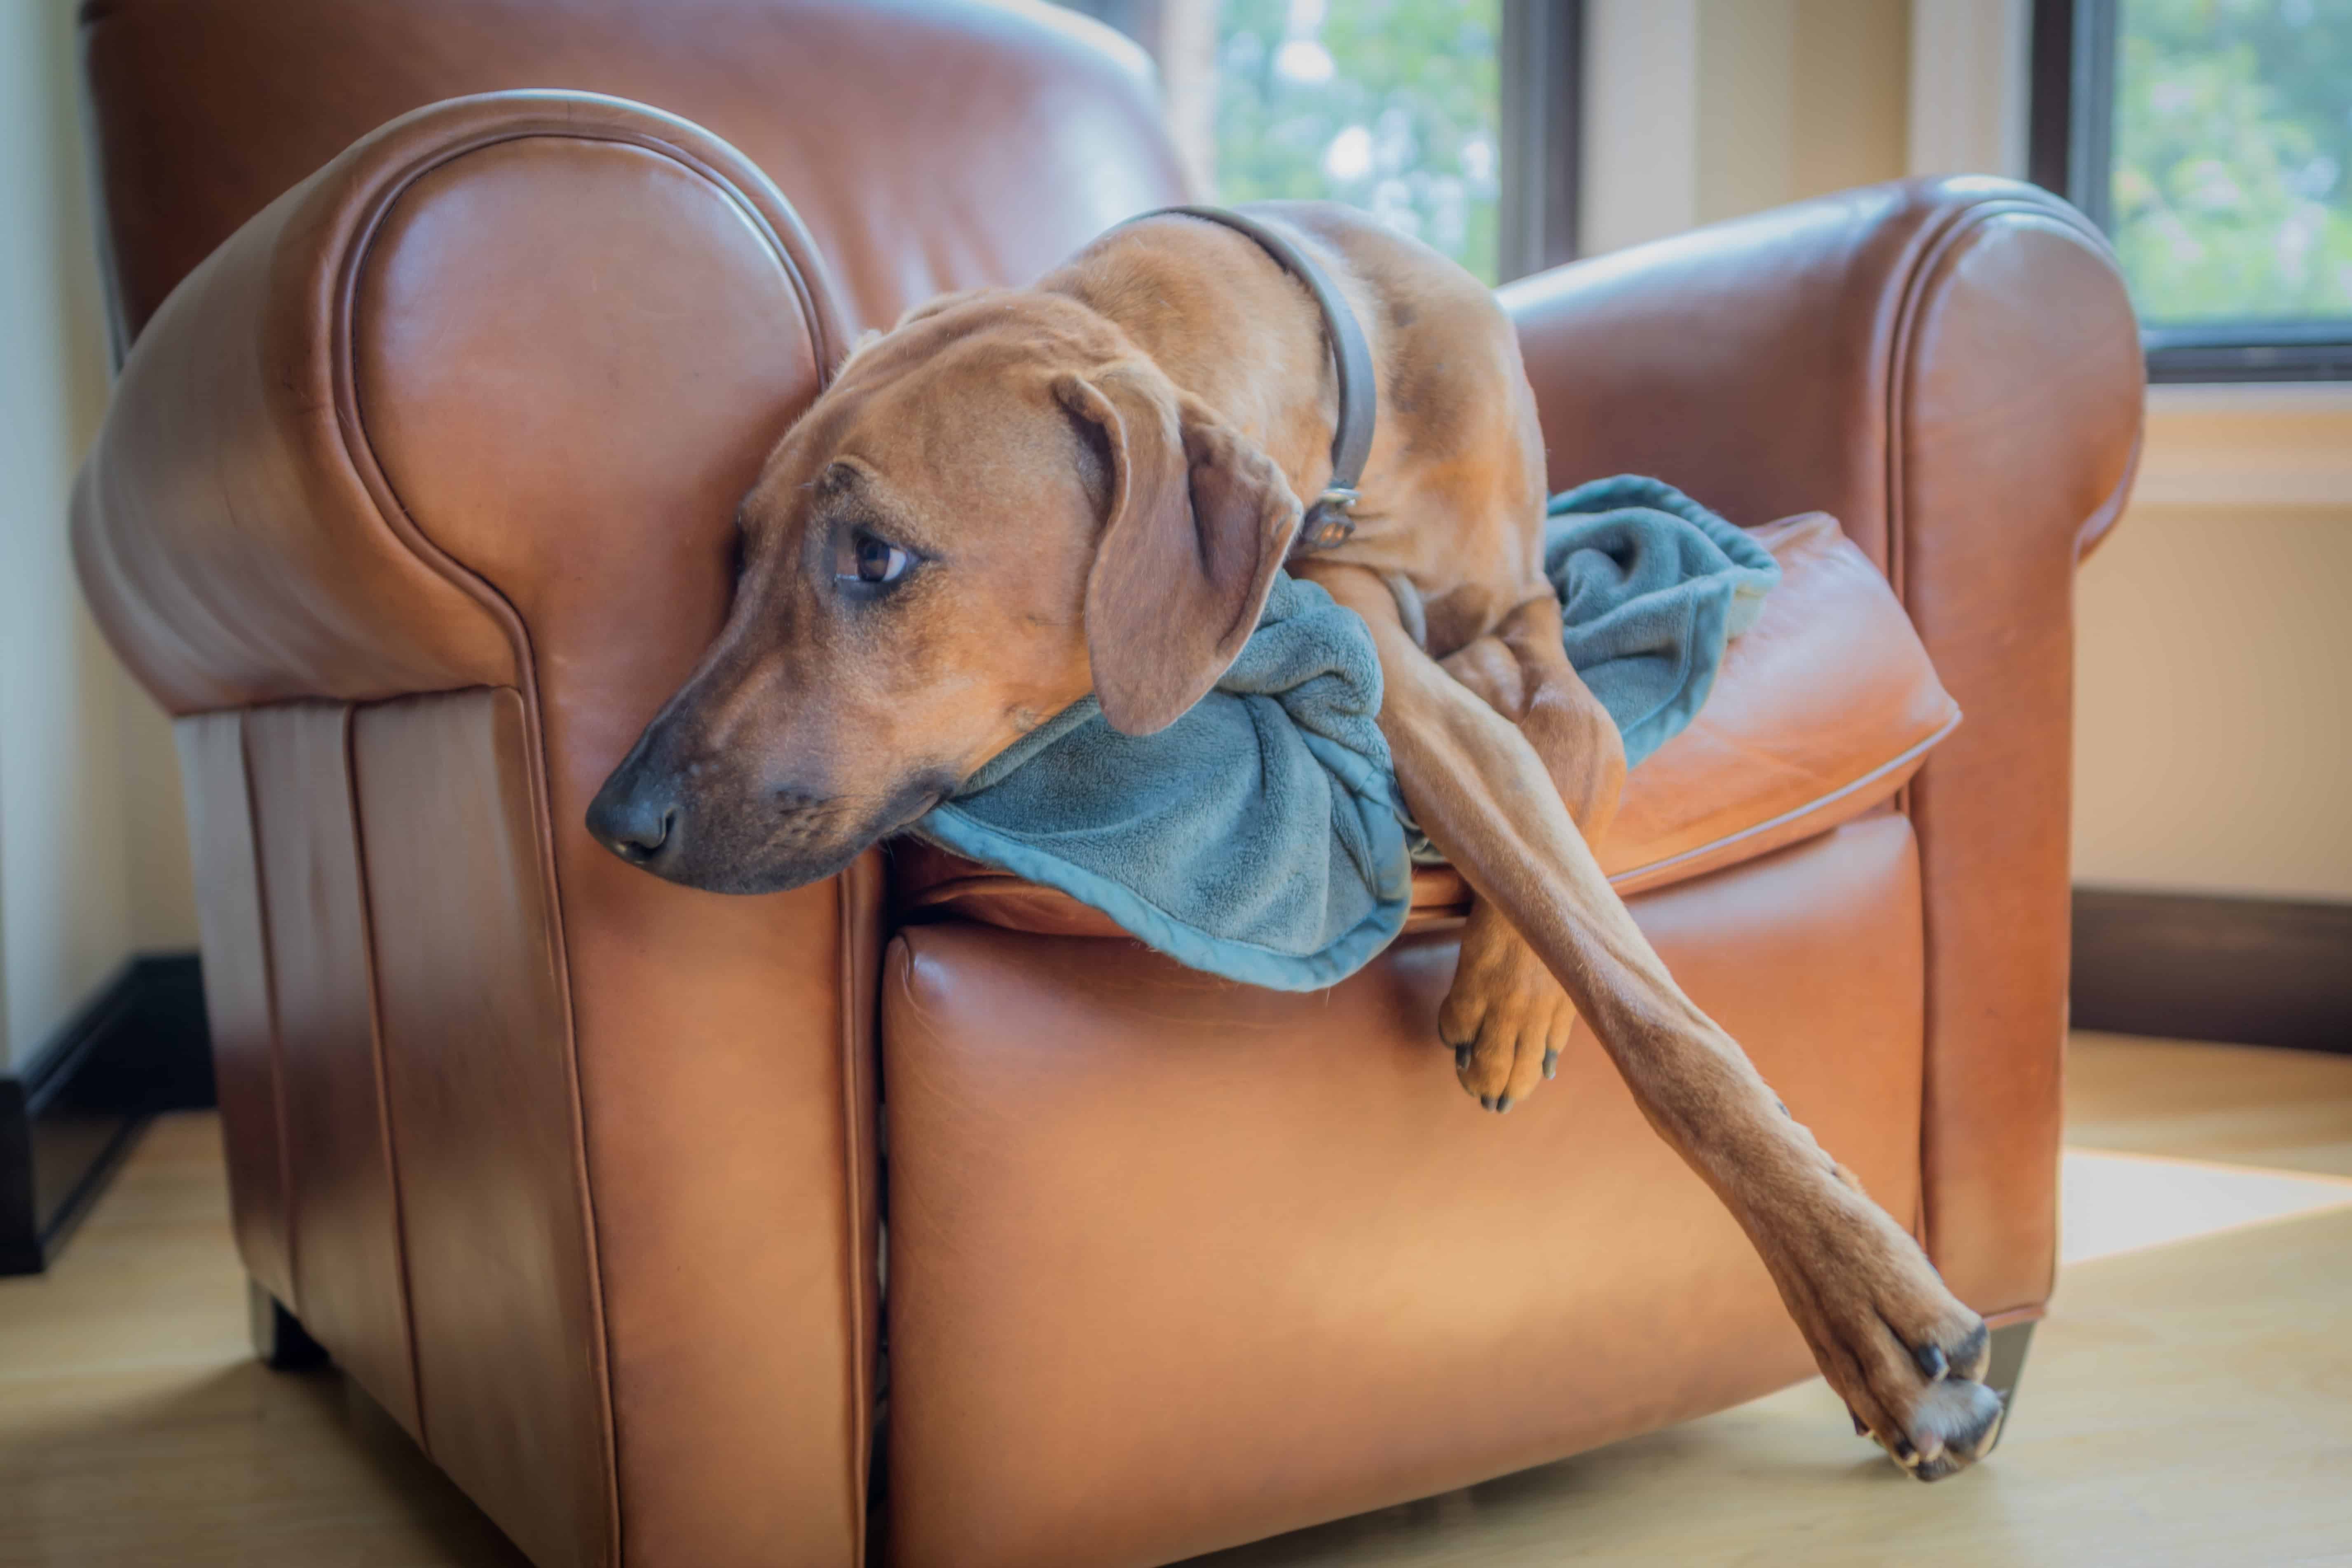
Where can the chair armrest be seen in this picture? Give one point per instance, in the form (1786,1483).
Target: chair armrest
(1952,367)
(303,485)
(1776,364)
(470,408)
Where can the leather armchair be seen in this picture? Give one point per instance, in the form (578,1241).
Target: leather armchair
(413,501)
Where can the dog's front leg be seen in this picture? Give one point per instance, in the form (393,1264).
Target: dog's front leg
(1505,1016)
(1903,1352)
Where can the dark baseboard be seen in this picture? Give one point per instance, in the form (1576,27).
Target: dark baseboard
(2253,971)
(71,1112)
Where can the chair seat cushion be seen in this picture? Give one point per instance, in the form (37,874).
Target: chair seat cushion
(1148,1224)
(1821,712)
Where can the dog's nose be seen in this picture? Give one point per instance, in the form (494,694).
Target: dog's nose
(634,818)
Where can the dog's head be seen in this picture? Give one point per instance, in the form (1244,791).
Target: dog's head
(995,509)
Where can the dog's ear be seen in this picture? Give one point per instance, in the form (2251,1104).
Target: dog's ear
(1198,521)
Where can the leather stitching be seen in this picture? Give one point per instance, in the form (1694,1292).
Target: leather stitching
(269,1005)
(1914,752)
(383,1075)
(857,936)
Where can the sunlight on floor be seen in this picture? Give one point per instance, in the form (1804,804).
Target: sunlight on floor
(2111,1203)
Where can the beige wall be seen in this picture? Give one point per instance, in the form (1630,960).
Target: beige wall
(1969,93)
(94,862)
(2214,653)
(1640,175)
(1701,109)
(1798,98)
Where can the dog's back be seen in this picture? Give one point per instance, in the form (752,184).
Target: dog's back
(1453,495)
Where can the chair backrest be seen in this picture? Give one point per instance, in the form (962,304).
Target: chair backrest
(928,145)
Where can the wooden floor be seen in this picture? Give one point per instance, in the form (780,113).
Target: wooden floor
(2188,1400)
(2289,1111)
(135,1426)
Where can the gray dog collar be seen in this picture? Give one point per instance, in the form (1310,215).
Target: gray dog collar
(1330,522)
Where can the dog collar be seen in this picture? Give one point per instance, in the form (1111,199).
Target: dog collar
(1330,521)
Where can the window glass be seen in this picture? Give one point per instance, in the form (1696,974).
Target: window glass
(2230,196)
(1390,105)
(1394,106)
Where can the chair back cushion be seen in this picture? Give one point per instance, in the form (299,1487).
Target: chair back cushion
(928,145)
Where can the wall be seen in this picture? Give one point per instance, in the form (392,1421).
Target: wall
(1701,109)
(1798,98)
(1968,90)
(2214,653)
(1640,175)
(94,862)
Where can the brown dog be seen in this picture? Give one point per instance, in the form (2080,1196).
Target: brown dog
(1019,496)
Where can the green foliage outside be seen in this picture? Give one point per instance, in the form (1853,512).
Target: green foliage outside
(1391,105)
(2233,147)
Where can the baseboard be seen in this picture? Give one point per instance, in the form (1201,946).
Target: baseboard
(2253,971)
(71,1112)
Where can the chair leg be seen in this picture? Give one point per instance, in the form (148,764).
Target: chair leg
(280,1343)
(2009,1348)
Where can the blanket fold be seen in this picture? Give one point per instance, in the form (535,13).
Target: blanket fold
(1651,586)
(1262,837)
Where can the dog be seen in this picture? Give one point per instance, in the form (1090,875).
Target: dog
(1017,497)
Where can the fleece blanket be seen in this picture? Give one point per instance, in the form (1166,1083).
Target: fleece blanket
(1262,837)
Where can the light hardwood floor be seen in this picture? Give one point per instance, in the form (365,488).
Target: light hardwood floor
(136,1428)
(2288,1110)
(2188,1400)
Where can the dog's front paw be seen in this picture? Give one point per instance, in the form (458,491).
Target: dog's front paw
(1907,1356)
(1507,1019)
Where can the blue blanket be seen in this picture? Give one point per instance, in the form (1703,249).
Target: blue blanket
(1261,837)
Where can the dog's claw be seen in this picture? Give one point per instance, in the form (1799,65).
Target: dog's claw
(1972,1357)
(1932,1361)
(1956,1424)
(1551,1064)
(1503,1015)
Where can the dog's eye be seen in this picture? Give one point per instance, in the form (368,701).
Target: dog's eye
(871,560)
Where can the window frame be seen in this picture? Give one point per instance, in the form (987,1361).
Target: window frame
(2070,151)
(1540,132)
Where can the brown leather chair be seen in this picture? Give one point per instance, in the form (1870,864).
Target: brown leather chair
(413,501)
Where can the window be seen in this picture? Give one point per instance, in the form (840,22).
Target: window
(1451,120)
(2212,141)
(1393,108)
